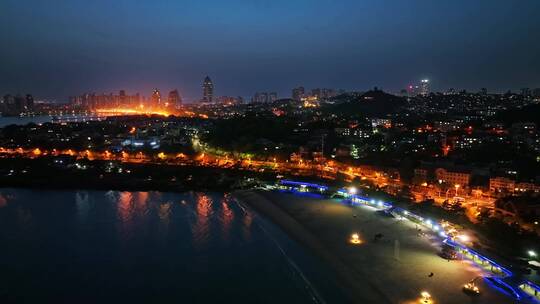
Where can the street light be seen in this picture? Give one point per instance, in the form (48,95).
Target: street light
(425,298)
(531,253)
(352,190)
(457,187)
(355,239)
(463,237)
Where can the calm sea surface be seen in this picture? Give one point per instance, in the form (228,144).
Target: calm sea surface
(5,121)
(149,247)
(11,120)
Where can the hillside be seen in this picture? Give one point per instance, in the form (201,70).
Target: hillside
(371,103)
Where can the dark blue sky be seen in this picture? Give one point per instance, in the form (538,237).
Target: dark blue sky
(58,48)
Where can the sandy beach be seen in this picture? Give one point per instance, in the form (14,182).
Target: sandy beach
(373,271)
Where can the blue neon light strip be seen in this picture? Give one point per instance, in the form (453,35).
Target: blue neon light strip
(515,293)
(481,257)
(294,183)
(533,286)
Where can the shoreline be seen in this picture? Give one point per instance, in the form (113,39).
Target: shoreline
(344,276)
(45,174)
(373,271)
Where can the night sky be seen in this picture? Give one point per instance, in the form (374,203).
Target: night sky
(54,49)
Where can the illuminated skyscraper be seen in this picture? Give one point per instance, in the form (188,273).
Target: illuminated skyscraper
(174,99)
(424,87)
(156,98)
(208,90)
(122,98)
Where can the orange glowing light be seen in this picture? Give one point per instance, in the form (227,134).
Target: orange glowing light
(129,111)
(446,149)
(161,155)
(36,152)
(132,130)
(355,239)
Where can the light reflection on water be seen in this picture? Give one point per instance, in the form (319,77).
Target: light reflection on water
(227,216)
(81,200)
(201,227)
(3,201)
(140,247)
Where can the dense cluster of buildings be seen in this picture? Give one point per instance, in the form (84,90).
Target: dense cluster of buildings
(421,89)
(94,101)
(11,105)
(439,144)
(299,93)
(264,97)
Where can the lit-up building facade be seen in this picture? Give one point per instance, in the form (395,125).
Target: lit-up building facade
(208,90)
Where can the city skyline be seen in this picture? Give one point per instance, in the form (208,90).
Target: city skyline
(350,46)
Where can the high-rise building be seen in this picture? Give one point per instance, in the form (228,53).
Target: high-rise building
(29,102)
(20,103)
(122,98)
(156,98)
(174,99)
(260,97)
(424,87)
(208,90)
(15,105)
(8,104)
(526,92)
(536,92)
(298,93)
(323,93)
(272,96)
(264,97)
(413,90)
